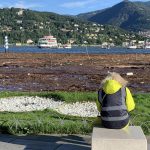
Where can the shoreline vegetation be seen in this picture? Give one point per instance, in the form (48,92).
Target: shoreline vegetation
(71,72)
(48,121)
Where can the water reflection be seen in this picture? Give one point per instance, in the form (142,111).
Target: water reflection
(81,50)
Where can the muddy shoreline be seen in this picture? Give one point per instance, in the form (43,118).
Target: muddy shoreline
(70,72)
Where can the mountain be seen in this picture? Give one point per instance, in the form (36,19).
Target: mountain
(131,16)
(147,3)
(23,24)
(88,15)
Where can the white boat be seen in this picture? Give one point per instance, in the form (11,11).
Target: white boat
(147,45)
(48,42)
(132,47)
(68,46)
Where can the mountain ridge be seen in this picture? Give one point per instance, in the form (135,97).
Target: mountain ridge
(131,16)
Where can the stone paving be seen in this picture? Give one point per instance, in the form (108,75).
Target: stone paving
(47,142)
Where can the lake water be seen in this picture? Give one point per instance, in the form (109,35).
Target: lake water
(76,50)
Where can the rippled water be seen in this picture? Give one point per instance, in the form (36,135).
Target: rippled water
(77,50)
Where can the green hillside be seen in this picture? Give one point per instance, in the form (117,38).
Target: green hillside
(21,25)
(131,16)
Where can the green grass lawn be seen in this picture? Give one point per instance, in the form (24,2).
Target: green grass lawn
(141,115)
(68,97)
(49,121)
(46,121)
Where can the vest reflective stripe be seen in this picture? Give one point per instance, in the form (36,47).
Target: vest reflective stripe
(111,108)
(115,118)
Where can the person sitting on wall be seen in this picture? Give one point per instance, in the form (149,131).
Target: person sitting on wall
(114,102)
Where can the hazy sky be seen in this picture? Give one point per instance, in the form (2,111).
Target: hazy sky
(71,7)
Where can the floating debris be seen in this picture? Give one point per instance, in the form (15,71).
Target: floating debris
(130,74)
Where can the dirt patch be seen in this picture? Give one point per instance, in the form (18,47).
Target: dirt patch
(70,72)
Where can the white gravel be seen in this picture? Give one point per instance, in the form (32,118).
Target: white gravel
(24,103)
(86,109)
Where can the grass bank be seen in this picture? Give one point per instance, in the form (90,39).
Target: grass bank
(46,121)
(141,115)
(49,121)
(68,97)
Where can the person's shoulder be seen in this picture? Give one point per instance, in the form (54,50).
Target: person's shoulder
(127,89)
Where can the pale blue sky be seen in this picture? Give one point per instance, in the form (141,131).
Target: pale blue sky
(71,7)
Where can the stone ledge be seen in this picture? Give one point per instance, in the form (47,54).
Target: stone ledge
(132,138)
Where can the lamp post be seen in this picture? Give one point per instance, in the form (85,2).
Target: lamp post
(6,44)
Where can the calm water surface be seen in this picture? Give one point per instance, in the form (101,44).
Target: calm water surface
(76,50)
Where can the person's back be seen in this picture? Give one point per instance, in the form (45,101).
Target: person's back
(114,102)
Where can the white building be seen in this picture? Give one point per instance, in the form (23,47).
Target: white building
(20,12)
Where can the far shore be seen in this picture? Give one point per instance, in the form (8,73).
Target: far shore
(73,45)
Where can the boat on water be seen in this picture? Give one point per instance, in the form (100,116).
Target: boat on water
(48,42)
(132,47)
(67,46)
(105,47)
(132,44)
(147,45)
